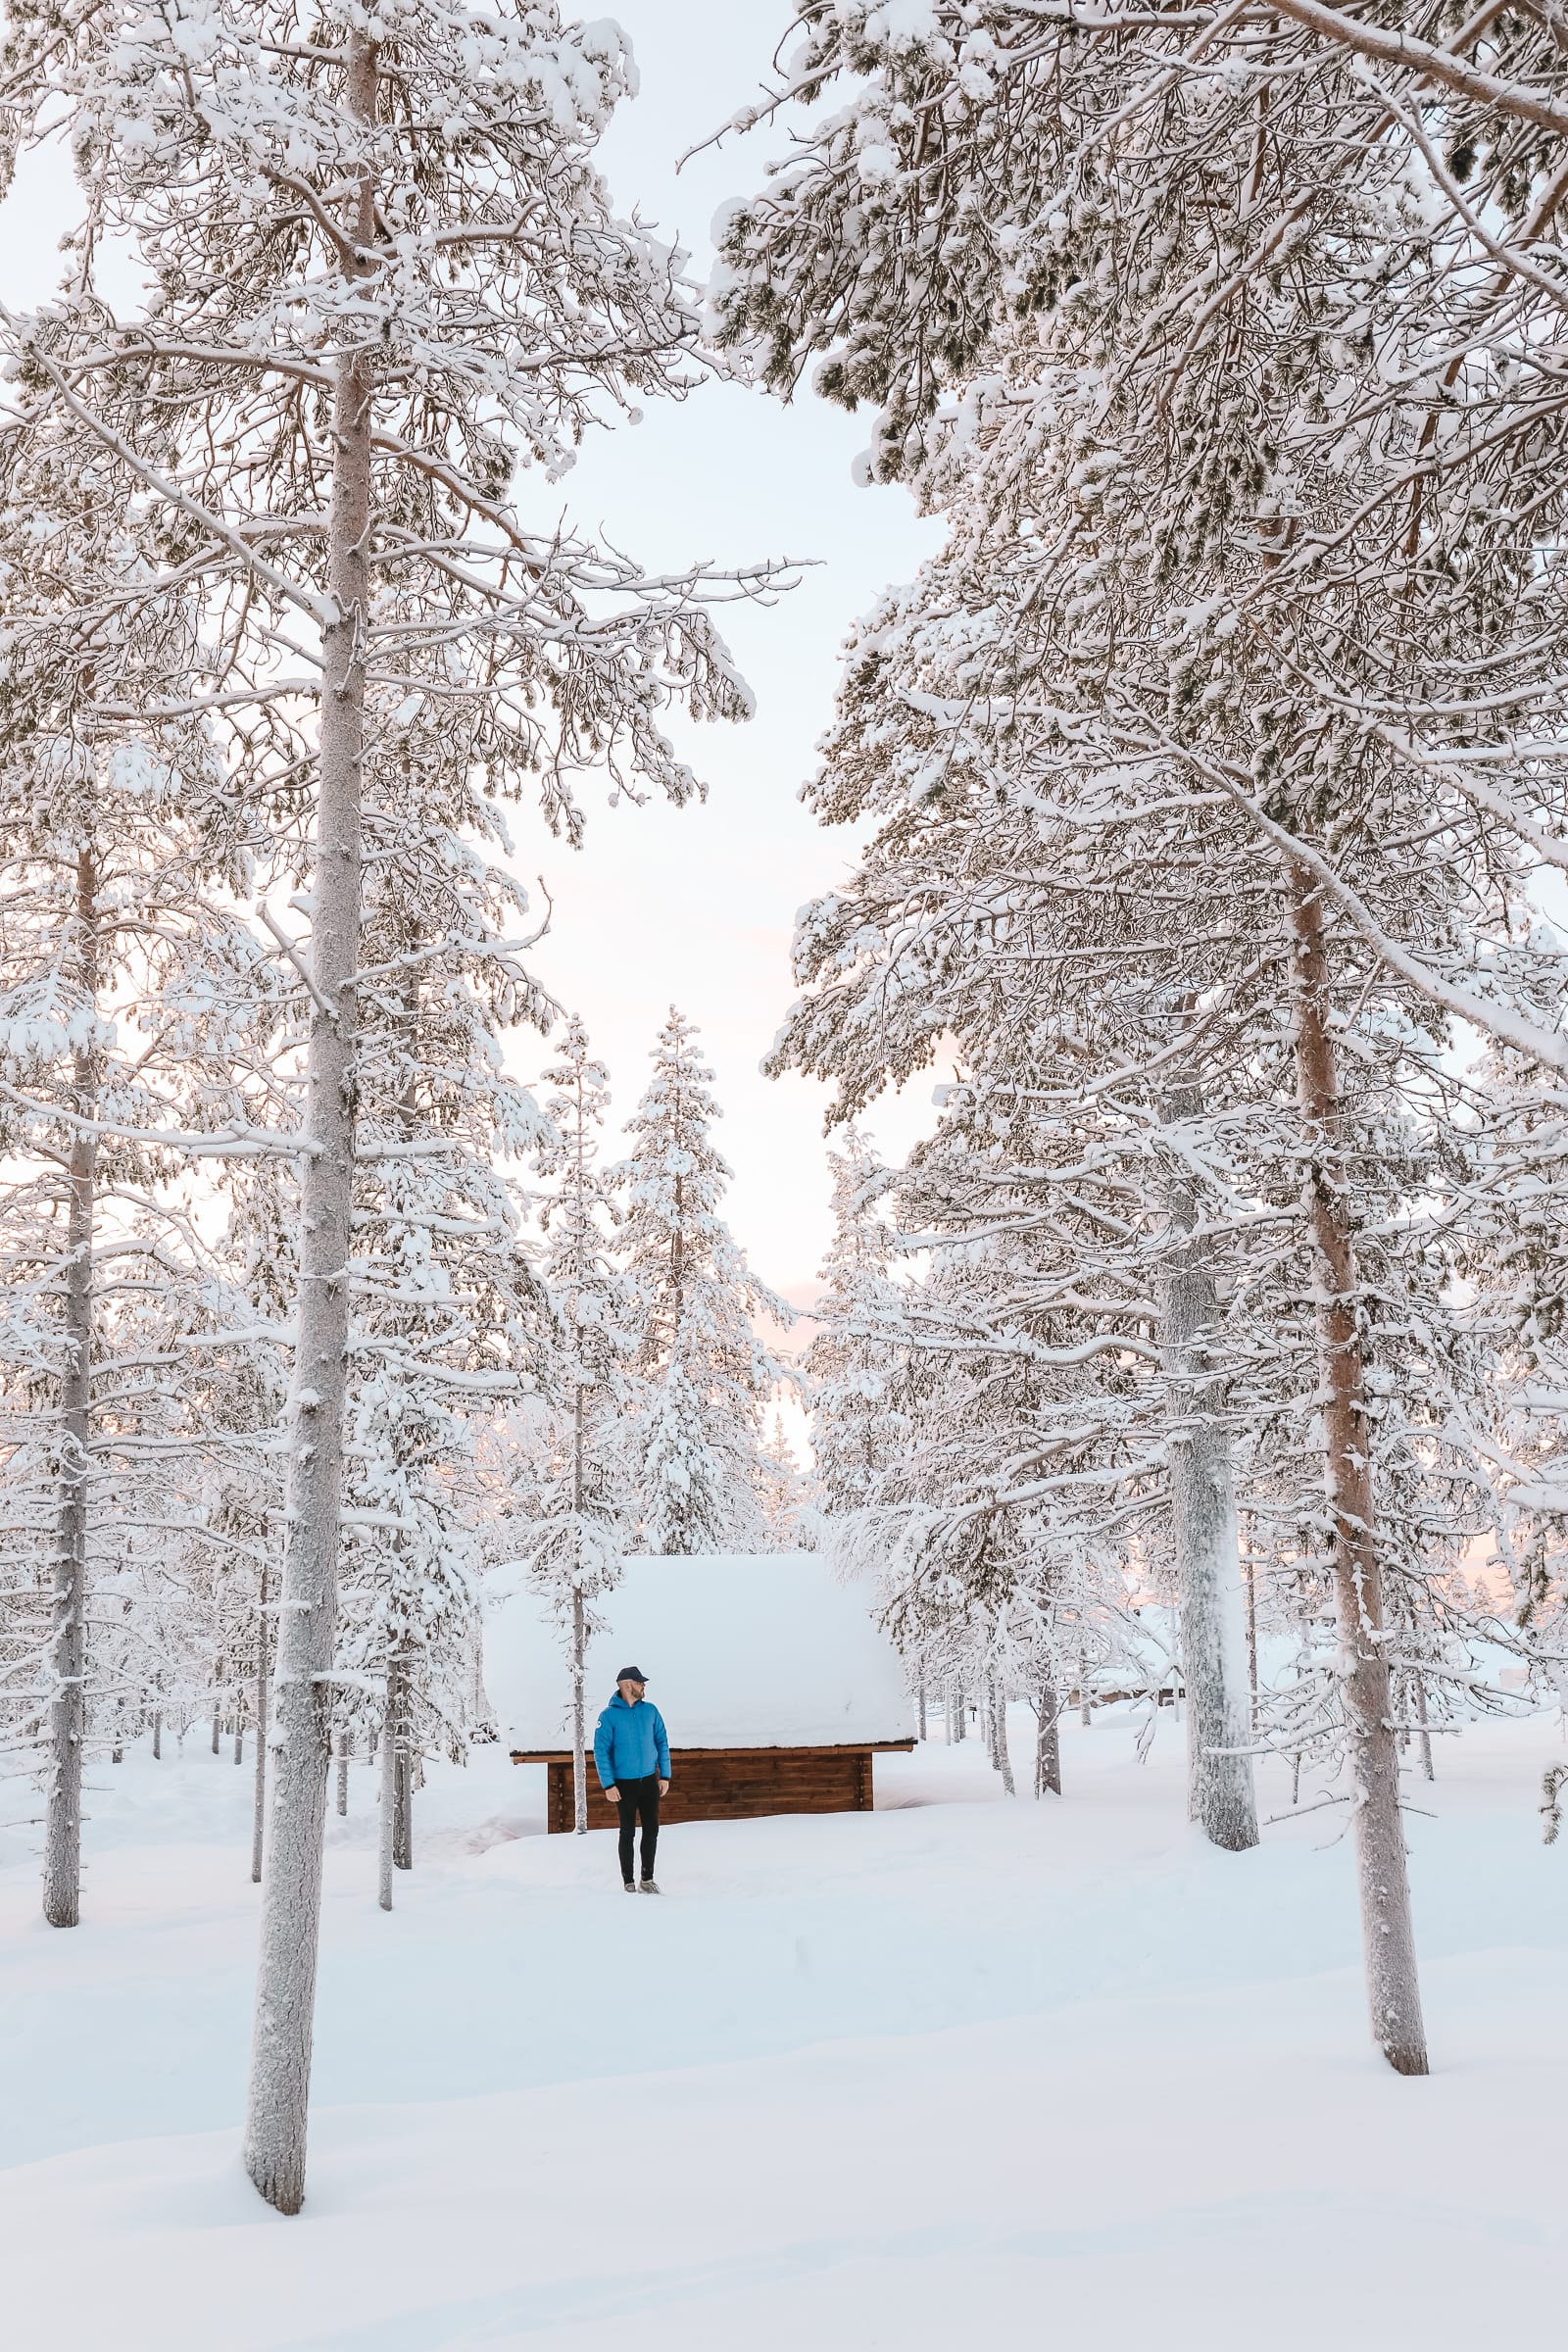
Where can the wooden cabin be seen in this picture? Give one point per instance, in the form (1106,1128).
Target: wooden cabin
(776,1686)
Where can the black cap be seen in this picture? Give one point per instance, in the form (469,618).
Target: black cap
(631,1674)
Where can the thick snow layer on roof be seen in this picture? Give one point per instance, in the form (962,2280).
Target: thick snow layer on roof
(766,1649)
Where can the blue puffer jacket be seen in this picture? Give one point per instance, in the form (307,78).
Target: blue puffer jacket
(629,1743)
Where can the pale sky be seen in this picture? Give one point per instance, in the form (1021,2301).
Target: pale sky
(696,907)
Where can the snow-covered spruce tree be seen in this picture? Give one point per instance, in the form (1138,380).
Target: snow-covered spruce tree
(447,1320)
(1068,1158)
(1027,1382)
(133,1006)
(706,1373)
(582,1512)
(788,1494)
(850,1361)
(1267,568)
(382,273)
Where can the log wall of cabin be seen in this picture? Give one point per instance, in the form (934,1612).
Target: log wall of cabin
(732,1784)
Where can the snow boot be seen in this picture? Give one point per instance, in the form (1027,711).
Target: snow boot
(649,1886)
(630,1886)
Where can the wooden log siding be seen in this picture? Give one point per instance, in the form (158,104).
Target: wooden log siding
(728,1784)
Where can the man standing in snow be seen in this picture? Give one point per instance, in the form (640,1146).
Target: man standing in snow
(631,1754)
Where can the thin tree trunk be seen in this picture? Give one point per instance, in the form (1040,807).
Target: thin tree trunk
(158,1734)
(275,2122)
(343,1771)
(388,1776)
(239,1736)
(999,1718)
(579,1726)
(68,1646)
(947,1715)
(579,1636)
(1047,1741)
(259,1806)
(1388,1934)
(919,1710)
(217,1711)
(1085,1717)
(1219,1773)
(403,1781)
(1251,1636)
(1424,1736)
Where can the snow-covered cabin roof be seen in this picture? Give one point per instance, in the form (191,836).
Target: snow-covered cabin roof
(762,1649)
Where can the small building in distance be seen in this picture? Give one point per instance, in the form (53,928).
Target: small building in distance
(776,1686)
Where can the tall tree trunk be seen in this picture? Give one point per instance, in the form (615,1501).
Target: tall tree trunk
(68,1646)
(1424,1736)
(218,1707)
(949,1708)
(1388,1936)
(1085,1717)
(389,1759)
(1208,1566)
(239,1733)
(1048,1740)
(1252,1637)
(343,1771)
(291,1896)
(158,1734)
(919,1709)
(998,1720)
(579,1636)
(259,1806)
(401,1777)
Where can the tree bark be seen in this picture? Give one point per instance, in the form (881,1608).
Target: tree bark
(999,1723)
(402,1776)
(291,1897)
(343,1771)
(1204,1531)
(1424,1736)
(579,1748)
(579,1633)
(259,1806)
(68,1646)
(1085,1716)
(919,1710)
(1047,1741)
(389,1746)
(1388,1936)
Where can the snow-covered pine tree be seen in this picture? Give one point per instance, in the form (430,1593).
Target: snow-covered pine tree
(582,1513)
(132,1007)
(707,1373)
(382,273)
(1272,544)
(850,1363)
(787,1494)
(447,1318)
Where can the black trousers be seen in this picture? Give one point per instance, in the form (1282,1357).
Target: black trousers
(638,1797)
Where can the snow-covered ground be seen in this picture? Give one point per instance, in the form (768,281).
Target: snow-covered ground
(958,2071)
